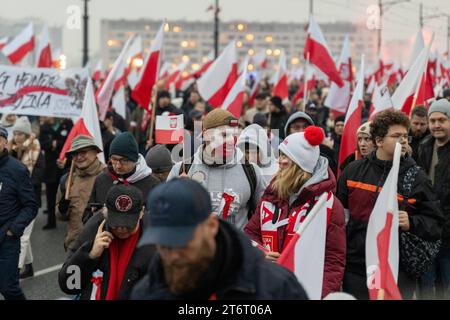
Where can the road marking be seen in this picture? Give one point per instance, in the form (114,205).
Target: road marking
(48,270)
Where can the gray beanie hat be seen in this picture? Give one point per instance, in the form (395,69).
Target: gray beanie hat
(22,125)
(441,105)
(159,159)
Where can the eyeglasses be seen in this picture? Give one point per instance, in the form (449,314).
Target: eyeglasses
(399,137)
(122,161)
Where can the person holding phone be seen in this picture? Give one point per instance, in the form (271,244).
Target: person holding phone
(106,253)
(83,151)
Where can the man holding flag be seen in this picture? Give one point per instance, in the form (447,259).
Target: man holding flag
(359,186)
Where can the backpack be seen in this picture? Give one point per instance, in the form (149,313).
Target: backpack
(416,255)
(251,177)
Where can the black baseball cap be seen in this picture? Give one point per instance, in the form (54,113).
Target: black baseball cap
(124,204)
(175,209)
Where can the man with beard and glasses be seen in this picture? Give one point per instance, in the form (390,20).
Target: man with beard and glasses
(202,257)
(419,129)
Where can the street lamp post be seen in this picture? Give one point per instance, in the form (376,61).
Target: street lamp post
(85,34)
(216,29)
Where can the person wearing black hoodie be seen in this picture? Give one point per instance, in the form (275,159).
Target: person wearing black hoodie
(358,188)
(277,115)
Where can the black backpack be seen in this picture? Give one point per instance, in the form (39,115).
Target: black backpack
(251,177)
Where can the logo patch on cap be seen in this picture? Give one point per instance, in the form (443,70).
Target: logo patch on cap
(123,203)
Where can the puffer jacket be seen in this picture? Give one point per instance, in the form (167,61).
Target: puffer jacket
(322,181)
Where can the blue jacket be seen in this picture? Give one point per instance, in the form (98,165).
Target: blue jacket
(254,278)
(18,206)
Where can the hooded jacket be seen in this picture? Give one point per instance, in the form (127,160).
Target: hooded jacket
(324,150)
(358,189)
(238,271)
(256,136)
(321,181)
(141,178)
(230,178)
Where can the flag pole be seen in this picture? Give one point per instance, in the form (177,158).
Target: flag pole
(69,179)
(305,92)
(152,120)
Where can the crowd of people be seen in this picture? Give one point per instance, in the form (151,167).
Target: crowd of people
(153,224)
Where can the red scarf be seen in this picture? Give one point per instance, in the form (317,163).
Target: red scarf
(120,252)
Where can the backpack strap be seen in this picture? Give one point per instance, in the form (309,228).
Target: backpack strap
(251,177)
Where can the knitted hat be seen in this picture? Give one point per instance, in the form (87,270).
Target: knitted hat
(22,125)
(158,158)
(126,146)
(441,105)
(364,128)
(303,147)
(219,117)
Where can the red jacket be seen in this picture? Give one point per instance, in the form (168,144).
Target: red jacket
(335,242)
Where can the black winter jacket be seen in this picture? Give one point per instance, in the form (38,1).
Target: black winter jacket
(441,179)
(79,256)
(247,275)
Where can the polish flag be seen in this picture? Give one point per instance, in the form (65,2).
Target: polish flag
(98,71)
(44,53)
(3,42)
(338,98)
(419,45)
(319,55)
(215,84)
(304,255)
(403,96)
(135,51)
(175,75)
(310,83)
(372,84)
(352,122)
(133,78)
(87,124)
(382,252)
(233,101)
(142,93)
(105,92)
(280,87)
(119,102)
(165,70)
(380,101)
(206,64)
(260,60)
(394,75)
(169,129)
(20,46)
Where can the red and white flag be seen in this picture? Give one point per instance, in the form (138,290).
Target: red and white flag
(165,70)
(319,55)
(395,75)
(87,124)
(382,252)
(260,60)
(304,255)
(21,45)
(44,52)
(338,98)
(254,90)
(310,83)
(104,94)
(418,46)
(3,42)
(169,129)
(215,84)
(142,93)
(352,122)
(119,102)
(235,98)
(98,71)
(175,75)
(208,60)
(403,97)
(280,85)
(381,101)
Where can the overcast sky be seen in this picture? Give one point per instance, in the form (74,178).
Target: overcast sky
(400,21)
